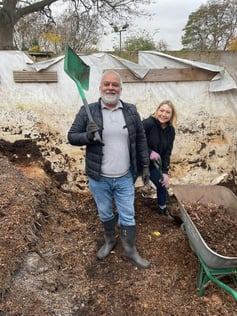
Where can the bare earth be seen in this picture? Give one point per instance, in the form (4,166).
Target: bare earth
(49,239)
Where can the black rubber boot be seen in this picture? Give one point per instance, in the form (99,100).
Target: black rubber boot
(110,240)
(128,237)
(175,219)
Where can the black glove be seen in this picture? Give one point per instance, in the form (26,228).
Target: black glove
(145,175)
(91,129)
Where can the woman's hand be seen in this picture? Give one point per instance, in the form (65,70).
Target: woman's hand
(154,156)
(165,181)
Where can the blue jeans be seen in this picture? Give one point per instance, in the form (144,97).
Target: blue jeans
(155,178)
(119,190)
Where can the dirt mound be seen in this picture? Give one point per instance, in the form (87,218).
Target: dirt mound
(49,238)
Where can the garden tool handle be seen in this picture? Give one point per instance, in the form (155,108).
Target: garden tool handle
(77,69)
(157,165)
(97,137)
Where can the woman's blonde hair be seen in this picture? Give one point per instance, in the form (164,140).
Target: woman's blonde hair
(173,118)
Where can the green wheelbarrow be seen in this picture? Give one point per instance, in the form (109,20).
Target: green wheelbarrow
(212,266)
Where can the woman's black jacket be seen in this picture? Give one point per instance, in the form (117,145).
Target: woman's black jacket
(160,140)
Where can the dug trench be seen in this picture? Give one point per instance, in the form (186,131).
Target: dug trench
(49,237)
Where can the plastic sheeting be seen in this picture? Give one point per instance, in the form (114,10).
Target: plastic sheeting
(205,148)
(216,97)
(221,82)
(148,59)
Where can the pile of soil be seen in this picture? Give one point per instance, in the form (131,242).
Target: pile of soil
(216,226)
(49,238)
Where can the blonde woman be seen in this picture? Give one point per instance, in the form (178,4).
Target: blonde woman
(160,133)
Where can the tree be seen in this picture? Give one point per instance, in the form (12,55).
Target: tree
(162,46)
(80,32)
(27,32)
(212,26)
(142,40)
(11,11)
(134,44)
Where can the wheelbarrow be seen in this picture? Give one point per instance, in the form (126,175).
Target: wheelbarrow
(212,266)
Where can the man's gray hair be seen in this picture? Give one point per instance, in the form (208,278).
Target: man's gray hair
(106,72)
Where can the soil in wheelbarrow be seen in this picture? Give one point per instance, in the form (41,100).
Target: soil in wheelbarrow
(216,226)
(49,238)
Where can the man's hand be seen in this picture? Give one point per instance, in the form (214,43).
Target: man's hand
(145,175)
(92,128)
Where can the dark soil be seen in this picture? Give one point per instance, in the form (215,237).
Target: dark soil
(49,239)
(216,226)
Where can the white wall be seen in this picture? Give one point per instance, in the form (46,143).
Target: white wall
(206,135)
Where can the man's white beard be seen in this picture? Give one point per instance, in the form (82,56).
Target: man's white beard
(108,99)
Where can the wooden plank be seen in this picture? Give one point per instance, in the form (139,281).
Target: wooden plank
(34,76)
(168,75)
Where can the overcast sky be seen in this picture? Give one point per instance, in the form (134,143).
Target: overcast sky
(170,17)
